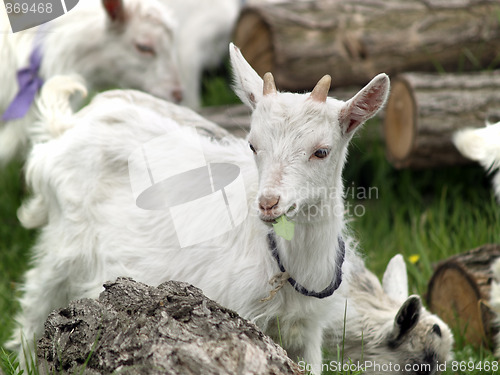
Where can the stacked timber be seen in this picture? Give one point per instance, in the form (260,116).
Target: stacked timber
(425,110)
(354,40)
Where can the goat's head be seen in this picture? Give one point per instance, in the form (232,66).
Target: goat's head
(140,47)
(417,340)
(300,140)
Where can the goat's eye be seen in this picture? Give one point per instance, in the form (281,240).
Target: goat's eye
(145,49)
(252,148)
(321,153)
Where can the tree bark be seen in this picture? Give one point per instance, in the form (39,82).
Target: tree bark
(354,40)
(459,292)
(172,329)
(425,110)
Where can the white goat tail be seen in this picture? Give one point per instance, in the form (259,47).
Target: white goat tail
(483,146)
(54,107)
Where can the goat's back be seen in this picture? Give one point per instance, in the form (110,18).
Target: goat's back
(81,184)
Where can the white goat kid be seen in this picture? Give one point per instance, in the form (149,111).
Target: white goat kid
(126,44)
(95,232)
(387,330)
(483,146)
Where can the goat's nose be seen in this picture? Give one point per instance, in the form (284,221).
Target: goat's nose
(267,203)
(177,95)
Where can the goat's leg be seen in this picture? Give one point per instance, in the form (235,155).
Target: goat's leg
(312,348)
(302,341)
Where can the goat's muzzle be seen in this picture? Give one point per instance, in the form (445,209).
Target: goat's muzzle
(268,205)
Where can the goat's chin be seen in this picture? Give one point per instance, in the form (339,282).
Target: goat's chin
(268,219)
(268,222)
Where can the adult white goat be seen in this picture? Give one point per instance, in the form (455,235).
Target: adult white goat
(387,330)
(482,145)
(94,231)
(117,44)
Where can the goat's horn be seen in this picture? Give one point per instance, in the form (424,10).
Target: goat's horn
(320,91)
(269,85)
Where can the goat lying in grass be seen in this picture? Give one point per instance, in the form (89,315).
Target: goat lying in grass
(483,146)
(390,331)
(115,44)
(94,229)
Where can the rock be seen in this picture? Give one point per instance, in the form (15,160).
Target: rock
(170,329)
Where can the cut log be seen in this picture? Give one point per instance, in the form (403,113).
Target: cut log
(425,110)
(354,40)
(459,292)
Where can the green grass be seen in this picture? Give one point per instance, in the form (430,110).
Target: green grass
(433,214)
(430,213)
(14,244)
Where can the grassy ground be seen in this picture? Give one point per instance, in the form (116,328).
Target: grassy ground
(14,244)
(432,213)
(427,215)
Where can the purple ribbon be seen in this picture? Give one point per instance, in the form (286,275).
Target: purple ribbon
(29,83)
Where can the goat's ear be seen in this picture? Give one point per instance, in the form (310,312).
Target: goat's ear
(115,10)
(395,279)
(406,319)
(365,104)
(247,83)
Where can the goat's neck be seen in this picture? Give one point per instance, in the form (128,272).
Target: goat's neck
(311,256)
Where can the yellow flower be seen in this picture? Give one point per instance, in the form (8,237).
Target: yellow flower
(414,258)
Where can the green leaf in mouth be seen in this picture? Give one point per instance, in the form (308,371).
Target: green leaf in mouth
(284,228)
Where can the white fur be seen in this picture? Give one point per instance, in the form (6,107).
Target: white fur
(94,231)
(87,42)
(483,146)
(395,279)
(205,28)
(374,333)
